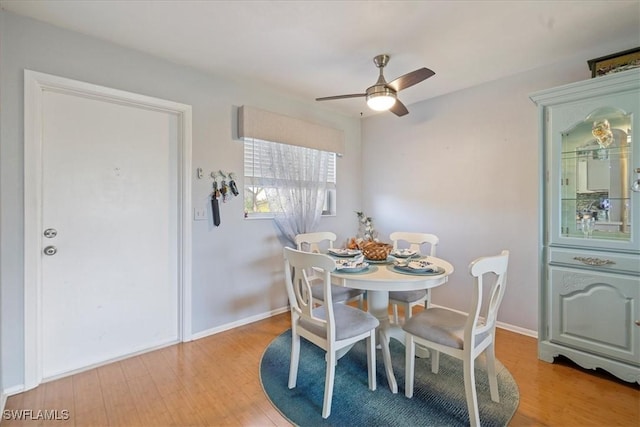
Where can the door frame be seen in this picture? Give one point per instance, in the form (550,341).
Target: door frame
(34,85)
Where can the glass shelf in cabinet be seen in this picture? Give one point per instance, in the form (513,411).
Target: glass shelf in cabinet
(594,152)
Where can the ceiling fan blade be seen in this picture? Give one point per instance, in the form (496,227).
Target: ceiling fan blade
(410,79)
(353,95)
(399,109)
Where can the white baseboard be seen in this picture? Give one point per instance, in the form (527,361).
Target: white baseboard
(20,388)
(4,395)
(13,390)
(238,323)
(248,320)
(202,334)
(517,329)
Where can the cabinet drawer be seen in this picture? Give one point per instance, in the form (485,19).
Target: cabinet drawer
(596,260)
(596,312)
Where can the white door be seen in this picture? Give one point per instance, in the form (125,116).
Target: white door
(110,232)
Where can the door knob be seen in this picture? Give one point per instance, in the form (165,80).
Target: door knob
(50,250)
(637,322)
(50,233)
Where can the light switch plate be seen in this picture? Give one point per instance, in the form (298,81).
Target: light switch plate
(200,214)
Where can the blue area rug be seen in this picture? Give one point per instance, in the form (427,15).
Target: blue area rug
(438,400)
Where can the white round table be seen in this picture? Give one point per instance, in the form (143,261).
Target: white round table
(378,281)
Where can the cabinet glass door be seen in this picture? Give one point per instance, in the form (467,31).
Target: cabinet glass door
(595,177)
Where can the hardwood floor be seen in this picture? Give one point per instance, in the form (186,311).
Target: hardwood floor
(214,382)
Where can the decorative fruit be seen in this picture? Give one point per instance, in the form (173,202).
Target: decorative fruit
(352,244)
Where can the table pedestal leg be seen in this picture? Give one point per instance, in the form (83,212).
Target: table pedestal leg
(378,303)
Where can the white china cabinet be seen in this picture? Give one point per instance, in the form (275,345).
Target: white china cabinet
(590,217)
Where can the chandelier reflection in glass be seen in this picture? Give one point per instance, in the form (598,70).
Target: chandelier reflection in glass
(602,131)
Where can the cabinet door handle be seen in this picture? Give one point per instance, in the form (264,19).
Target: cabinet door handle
(593,261)
(637,322)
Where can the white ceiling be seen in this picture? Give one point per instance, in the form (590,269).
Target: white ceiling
(312,49)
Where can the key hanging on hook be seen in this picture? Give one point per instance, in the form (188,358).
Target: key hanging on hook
(224,188)
(215,206)
(232,184)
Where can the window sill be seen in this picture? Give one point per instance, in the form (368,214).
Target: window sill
(267,216)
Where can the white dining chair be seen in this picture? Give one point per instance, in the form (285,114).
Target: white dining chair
(462,336)
(317,242)
(408,299)
(331,326)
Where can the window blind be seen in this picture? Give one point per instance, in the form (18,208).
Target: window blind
(257,164)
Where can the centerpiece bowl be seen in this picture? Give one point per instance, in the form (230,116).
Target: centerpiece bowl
(376,251)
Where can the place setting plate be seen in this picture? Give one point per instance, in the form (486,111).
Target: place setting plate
(419,267)
(355,265)
(389,260)
(343,253)
(360,268)
(403,253)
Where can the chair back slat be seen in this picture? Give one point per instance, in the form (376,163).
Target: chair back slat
(415,241)
(297,265)
(310,242)
(303,300)
(480,269)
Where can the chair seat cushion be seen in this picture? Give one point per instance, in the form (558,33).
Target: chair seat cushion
(338,293)
(408,296)
(350,321)
(439,325)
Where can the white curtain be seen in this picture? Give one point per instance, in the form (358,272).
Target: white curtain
(298,197)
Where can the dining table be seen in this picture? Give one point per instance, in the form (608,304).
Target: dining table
(380,278)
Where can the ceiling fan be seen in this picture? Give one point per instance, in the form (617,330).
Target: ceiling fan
(383,96)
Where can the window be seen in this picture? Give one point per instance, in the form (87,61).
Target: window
(261,177)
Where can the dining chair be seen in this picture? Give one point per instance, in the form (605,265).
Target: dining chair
(331,326)
(462,336)
(408,299)
(312,242)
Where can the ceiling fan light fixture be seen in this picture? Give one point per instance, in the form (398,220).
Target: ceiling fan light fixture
(381,99)
(383,96)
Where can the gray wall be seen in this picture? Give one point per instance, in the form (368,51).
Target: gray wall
(237,268)
(465,167)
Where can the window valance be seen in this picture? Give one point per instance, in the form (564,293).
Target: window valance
(265,125)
